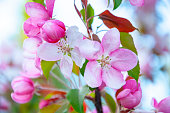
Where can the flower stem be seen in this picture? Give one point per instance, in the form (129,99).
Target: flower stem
(98,103)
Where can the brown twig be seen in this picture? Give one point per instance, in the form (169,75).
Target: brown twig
(98,103)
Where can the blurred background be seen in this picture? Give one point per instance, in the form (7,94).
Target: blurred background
(152,43)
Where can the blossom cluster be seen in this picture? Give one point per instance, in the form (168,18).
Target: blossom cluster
(49,40)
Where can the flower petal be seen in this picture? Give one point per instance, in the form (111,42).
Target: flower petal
(90,49)
(49,52)
(128,102)
(112,78)
(31,44)
(29,69)
(77,58)
(132,85)
(111,40)
(154,103)
(73,36)
(36,10)
(53,30)
(137,2)
(66,66)
(164,105)
(123,59)
(21,98)
(123,94)
(50,6)
(92,74)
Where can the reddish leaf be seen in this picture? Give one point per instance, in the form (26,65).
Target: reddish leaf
(96,38)
(122,24)
(84,2)
(78,12)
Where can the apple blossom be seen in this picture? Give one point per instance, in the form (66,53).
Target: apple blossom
(137,2)
(106,60)
(23,89)
(39,23)
(131,94)
(65,50)
(163,106)
(31,63)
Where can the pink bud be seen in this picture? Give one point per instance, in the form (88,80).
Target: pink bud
(131,94)
(23,89)
(43,103)
(32,26)
(53,30)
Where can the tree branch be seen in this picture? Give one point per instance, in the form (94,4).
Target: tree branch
(98,103)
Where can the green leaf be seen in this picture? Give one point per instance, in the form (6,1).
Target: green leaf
(39,1)
(127,42)
(46,67)
(110,102)
(116,3)
(135,72)
(76,98)
(90,13)
(83,67)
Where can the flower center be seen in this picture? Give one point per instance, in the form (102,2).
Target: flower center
(104,61)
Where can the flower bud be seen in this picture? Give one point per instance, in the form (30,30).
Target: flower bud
(32,26)
(53,30)
(23,89)
(130,94)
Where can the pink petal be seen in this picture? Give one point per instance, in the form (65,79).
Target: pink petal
(112,78)
(31,44)
(77,57)
(154,103)
(49,52)
(164,105)
(66,66)
(111,40)
(92,74)
(73,36)
(52,31)
(123,59)
(90,49)
(36,10)
(23,87)
(50,6)
(32,27)
(123,94)
(138,96)
(21,98)
(29,69)
(131,84)
(137,2)
(29,55)
(129,101)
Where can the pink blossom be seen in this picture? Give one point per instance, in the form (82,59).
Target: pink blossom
(65,50)
(23,89)
(106,60)
(39,23)
(137,2)
(131,94)
(31,63)
(162,106)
